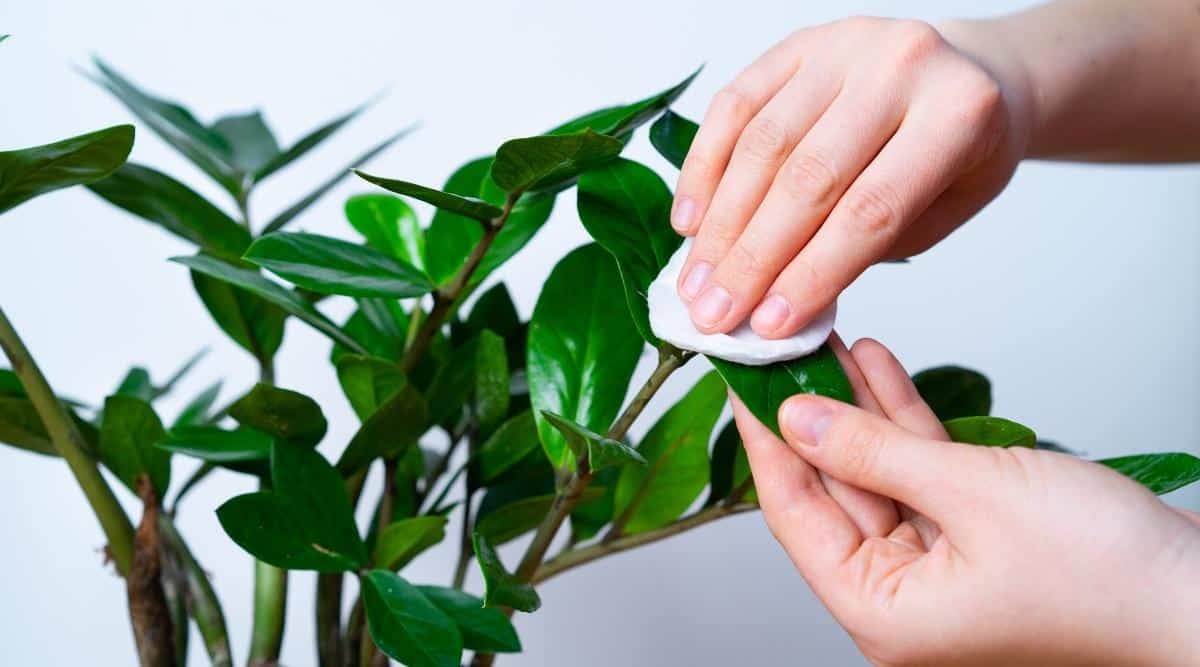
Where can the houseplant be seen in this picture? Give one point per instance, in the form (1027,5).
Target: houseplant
(525,422)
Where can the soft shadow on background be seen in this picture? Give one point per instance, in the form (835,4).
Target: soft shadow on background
(1077,291)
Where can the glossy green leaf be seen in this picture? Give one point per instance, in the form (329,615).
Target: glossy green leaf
(30,172)
(583,347)
(406,625)
(626,208)
(403,540)
(491,397)
(506,447)
(482,628)
(389,431)
(291,212)
(137,383)
(676,447)
(333,266)
(251,143)
(672,137)
(621,121)
(309,142)
(990,432)
(368,382)
(197,410)
(274,293)
(379,326)
(252,322)
(501,588)
(601,452)
(305,523)
(1161,473)
(283,413)
(764,388)
(217,445)
(506,523)
(128,436)
(495,310)
(546,162)
(389,225)
(158,198)
(204,147)
(468,206)
(953,391)
(729,467)
(22,427)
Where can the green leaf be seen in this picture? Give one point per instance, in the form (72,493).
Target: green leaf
(4,37)
(502,589)
(548,161)
(953,391)
(251,143)
(290,213)
(204,147)
(282,413)
(158,198)
(22,427)
(392,429)
(990,432)
(30,172)
(252,322)
(379,326)
(368,382)
(389,225)
(482,628)
(508,522)
(137,383)
(406,625)
(308,142)
(491,395)
(621,121)
(254,282)
(451,237)
(676,447)
(216,445)
(626,208)
(197,410)
(1161,473)
(471,207)
(127,438)
(401,541)
(305,523)
(506,447)
(764,388)
(495,310)
(729,467)
(583,347)
(672,137)
(333,266)
(601,452)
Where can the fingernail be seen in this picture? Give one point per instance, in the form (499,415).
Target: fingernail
(682,213)
(805,419)
(770,314)
(696,277)
(711,306)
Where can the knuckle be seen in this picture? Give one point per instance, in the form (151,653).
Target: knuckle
(873,210)
(702,164)
(981,96)
(731,101)
(810,177)
(917,40)
(765,139)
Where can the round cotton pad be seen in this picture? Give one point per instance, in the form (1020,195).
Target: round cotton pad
(670,321)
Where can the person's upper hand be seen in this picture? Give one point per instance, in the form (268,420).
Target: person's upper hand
(932,552)
(845,144)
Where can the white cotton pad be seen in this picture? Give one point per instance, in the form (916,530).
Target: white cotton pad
(670,321)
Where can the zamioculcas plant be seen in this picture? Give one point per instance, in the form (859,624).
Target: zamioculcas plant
(519,427)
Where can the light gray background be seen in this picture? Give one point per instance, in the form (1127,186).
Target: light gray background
(1076,291)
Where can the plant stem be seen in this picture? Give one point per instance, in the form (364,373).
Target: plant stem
(149,610)
(354,633)
(270,607)
(445,298)
(465,548)
(329,620)
(202,602)
(575,558)
(71,446)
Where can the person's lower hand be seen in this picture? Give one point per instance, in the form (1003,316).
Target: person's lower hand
(932,552)
(845,144)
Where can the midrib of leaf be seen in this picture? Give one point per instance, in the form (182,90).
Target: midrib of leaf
(640,495)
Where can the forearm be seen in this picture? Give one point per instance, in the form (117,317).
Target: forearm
(1102,80)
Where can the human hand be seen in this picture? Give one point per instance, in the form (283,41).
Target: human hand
(932,552)
(845,144)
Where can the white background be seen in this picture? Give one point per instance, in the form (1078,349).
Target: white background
(1076,291)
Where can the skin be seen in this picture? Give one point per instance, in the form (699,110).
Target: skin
(869,139)
(952,554)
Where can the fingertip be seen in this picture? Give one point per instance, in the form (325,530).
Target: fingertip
(711,309)
(683,215)
(692,279)
(770,317)
(804,418)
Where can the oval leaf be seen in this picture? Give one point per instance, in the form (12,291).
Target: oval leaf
(502,589)
(672,137)
(482,628)
(990,432)
(333,266)
(30,172)
(1161,473)
(548,161)
(405,625)
(389,225)
(283,413)
(403,540)
(471,207)
(128,436)
(953,392)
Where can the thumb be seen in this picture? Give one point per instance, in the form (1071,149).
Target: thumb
(871,453)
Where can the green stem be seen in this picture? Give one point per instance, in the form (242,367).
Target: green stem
(465,548)
(202,602)
(331,646)
(270,607)
(71,446)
